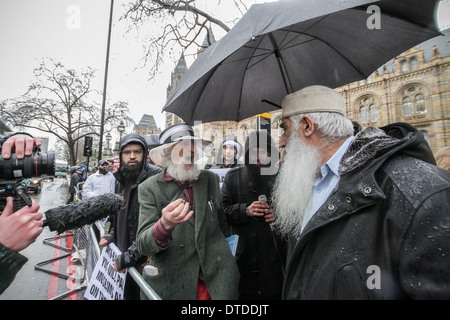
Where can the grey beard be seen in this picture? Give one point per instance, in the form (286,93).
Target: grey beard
(178,172)
(293,186)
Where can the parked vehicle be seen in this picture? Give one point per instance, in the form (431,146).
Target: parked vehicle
(35,184)
(61,169)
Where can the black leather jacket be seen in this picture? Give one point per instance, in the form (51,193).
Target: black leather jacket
(384,232)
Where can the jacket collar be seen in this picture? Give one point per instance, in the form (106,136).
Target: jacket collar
(381,143)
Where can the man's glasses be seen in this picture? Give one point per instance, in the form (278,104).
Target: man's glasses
(136,152)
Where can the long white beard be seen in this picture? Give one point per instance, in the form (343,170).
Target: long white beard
(178,172)
(294,185)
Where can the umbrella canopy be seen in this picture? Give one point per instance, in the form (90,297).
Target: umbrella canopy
(278,48)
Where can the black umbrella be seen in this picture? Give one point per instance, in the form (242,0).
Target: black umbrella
(278,48)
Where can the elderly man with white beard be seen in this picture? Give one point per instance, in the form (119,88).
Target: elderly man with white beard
(182,226)
(366,216)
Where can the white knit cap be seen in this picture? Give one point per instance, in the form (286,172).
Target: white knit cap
(313,99)
(234,144)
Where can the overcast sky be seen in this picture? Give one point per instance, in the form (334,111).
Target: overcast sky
(33,29)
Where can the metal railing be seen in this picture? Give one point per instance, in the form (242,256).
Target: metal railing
(94,252)
(85,245)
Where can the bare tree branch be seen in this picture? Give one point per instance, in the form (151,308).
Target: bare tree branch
(182,23)
(61,102)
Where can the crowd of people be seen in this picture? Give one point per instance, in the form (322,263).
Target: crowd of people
(349,213)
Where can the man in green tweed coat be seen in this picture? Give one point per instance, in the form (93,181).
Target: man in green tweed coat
(182,227)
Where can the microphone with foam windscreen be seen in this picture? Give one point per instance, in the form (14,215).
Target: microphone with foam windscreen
(77,214)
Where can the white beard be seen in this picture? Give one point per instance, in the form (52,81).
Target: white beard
(294,185)
(178,172)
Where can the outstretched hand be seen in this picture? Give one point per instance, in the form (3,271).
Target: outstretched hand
(175,213)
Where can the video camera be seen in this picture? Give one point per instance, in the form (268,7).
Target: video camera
(13,171)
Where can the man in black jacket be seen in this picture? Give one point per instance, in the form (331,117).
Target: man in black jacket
(133,170)
(257,254)
(367,216)
(75,179)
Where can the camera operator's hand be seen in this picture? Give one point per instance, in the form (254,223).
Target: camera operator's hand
(20,144)
(21,228)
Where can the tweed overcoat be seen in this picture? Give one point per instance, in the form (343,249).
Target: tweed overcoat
(198,249)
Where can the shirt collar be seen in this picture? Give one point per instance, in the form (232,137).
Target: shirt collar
(333,163)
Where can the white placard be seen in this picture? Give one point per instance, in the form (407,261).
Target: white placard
(105,283)
(221,173)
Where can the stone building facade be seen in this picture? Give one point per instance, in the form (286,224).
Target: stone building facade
(413,88)
(147,125)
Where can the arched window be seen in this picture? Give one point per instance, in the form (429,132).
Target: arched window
(363,117)
(413,101)
(373,113)
(407,107)
(368,111)
(414,64)
(405,67)
(420,104)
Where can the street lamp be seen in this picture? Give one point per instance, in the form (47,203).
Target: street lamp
(121,129)
(108,139)
(107,151)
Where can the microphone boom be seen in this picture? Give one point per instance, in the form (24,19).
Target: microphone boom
(77,214)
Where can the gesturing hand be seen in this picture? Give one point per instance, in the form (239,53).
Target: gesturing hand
(175,213)
(21,228)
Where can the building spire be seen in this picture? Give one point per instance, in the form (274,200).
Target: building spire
(181,65)
(209,38)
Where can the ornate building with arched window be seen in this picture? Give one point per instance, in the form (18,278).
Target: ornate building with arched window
(414,88)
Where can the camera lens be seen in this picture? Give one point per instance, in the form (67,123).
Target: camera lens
(32,166)
(45,164)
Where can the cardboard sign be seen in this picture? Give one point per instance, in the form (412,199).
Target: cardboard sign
(105,283)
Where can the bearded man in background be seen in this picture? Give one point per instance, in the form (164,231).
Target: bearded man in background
(133,170)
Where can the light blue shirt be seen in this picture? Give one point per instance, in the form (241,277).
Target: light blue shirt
(324,186)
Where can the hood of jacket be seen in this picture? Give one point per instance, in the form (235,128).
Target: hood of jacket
(133,139)
(381,143)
